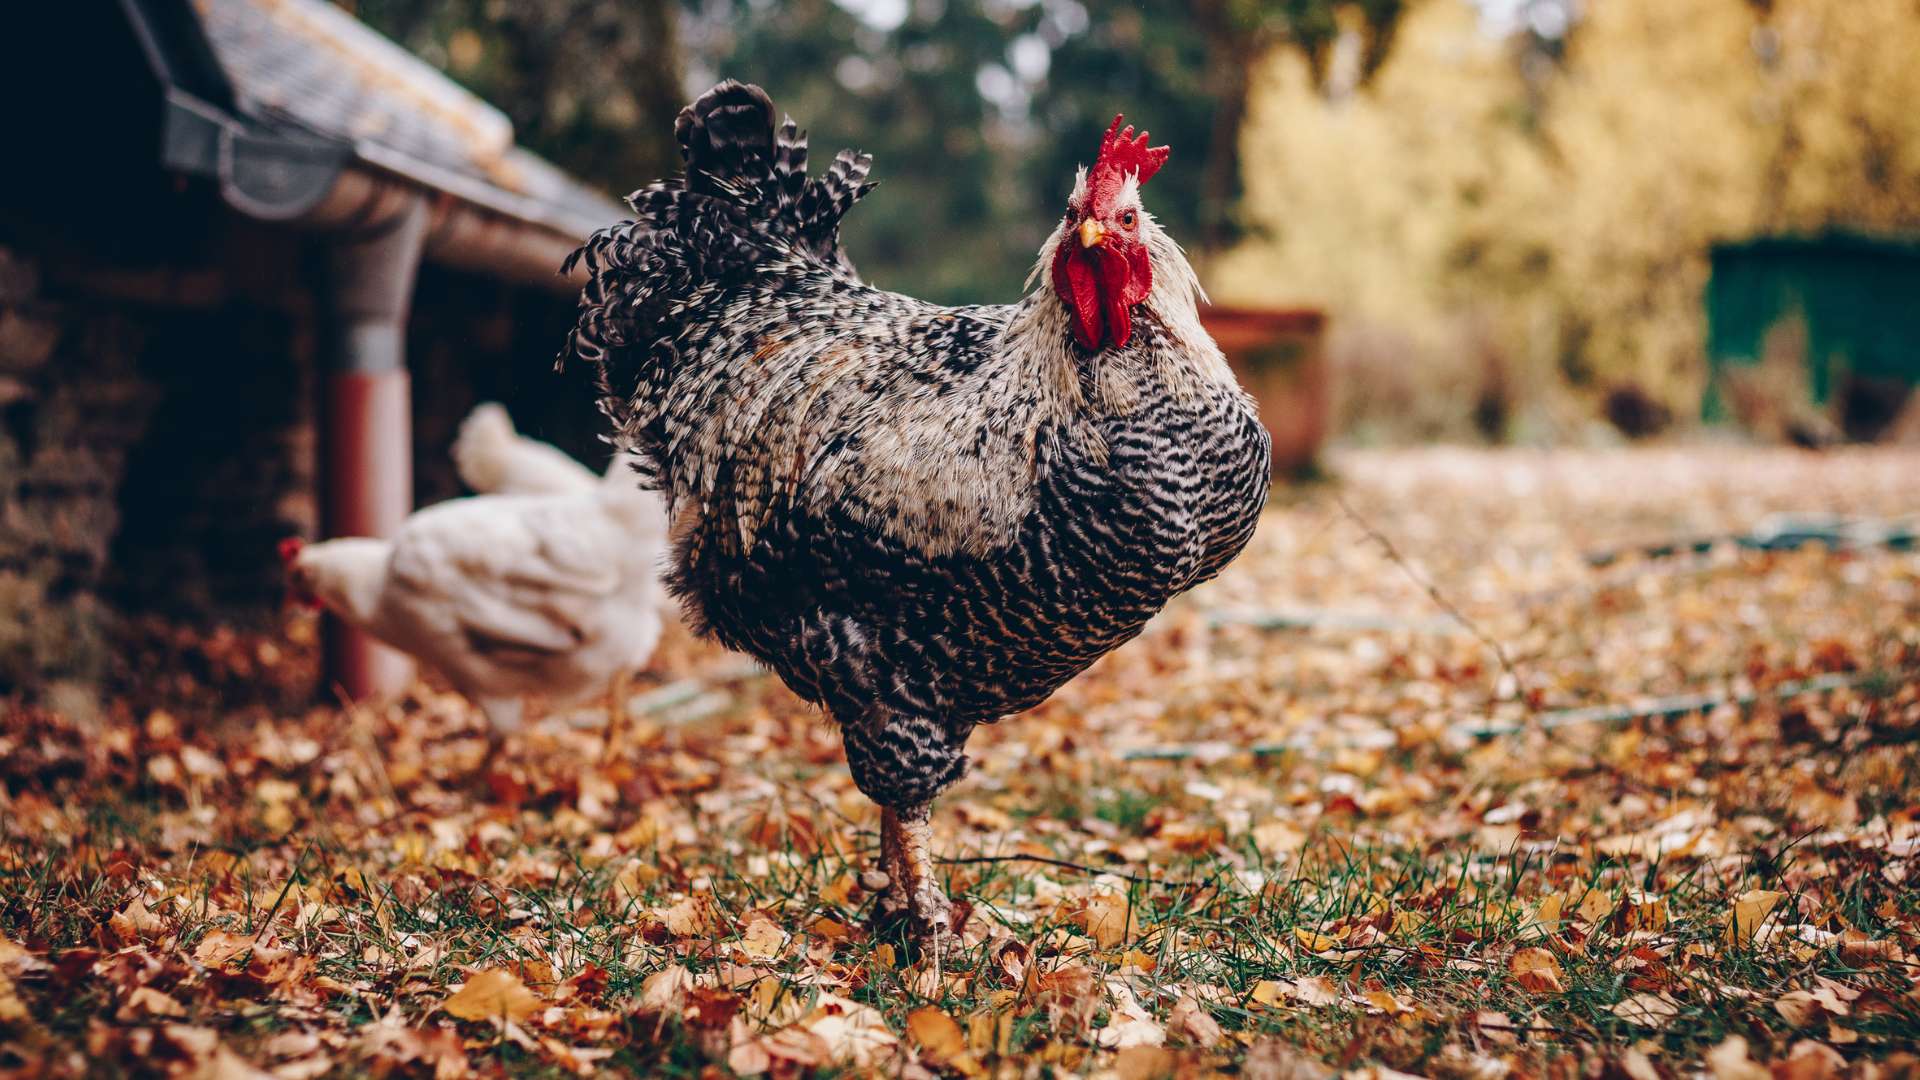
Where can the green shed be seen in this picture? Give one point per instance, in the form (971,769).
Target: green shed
(1856,298)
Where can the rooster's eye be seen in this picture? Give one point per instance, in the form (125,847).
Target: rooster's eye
(1127,219)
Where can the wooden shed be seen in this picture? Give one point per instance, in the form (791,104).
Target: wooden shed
(255,263)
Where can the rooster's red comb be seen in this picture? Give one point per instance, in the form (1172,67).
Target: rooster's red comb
(1123,152)
(290,549)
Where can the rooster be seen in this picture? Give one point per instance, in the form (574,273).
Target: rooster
(923,518)
(507,595)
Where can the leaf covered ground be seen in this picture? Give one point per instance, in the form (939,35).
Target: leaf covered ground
(1311,822)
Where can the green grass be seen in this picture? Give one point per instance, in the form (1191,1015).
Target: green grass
(1357,900)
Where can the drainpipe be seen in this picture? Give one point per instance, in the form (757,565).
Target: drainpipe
(366,432)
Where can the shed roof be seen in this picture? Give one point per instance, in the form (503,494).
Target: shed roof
(309,66)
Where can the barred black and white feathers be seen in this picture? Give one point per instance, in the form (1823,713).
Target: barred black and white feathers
(921,517)
(744,201)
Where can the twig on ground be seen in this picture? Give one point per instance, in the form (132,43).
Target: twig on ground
(1433,593)
(1665,708)
(1657,708)
(1090,871)
(1311,619)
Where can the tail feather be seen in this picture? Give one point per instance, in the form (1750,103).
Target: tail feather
(726,139)
(478,447)
(790,161)
(745,205)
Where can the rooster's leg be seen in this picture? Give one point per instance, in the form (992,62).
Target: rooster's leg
(903,762)
(893,905)
(913,891)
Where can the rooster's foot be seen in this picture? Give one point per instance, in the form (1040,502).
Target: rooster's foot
(912,895)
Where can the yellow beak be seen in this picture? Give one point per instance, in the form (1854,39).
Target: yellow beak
(1092,233)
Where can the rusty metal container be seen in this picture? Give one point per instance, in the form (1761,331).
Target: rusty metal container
(1280,356)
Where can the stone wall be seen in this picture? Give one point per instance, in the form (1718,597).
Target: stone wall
(151,452)
(158,438)
(73,402)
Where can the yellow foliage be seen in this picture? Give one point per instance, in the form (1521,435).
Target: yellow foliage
(1487,220)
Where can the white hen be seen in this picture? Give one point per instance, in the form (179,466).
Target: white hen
(507,595)
(494,459)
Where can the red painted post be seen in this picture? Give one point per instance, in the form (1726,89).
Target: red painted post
(1280,357)
(367,434)
(368,445)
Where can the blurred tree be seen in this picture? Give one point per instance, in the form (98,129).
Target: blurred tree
(594,86)
(1343,42)
(977,112)
(1496,202)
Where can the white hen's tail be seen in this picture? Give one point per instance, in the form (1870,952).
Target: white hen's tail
(494,459)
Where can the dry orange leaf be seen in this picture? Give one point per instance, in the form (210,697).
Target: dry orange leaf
(687,918)
(1537,971)
(135,922)
(1810,1060)
(1547,915)
(1594,906)
(145,1001)
(666,989)
(762,939)
(221,947)
(990,1031)
(1856,948)
(1749,911)
(942,1040)
(1313,940)
(1645,911)
(1315,991)
(1193,1021)
(494,994)
(831,929)
(1384,1002)
(1144,1062)
(12,1009)
(1646,1009)
(936,1033)
(1276,838)
(1109,920)
(839,891)
(10,952)
(1730,1061)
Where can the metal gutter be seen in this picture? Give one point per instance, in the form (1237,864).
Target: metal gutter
(459,234)
(270,167)
(295,178)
